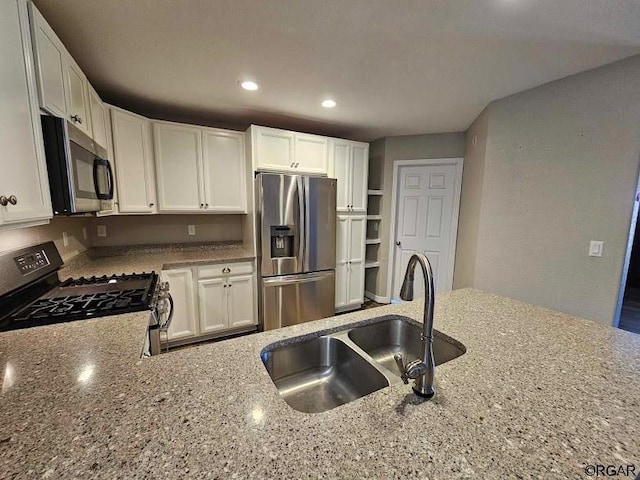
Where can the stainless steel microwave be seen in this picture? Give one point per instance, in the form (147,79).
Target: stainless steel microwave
(80,174)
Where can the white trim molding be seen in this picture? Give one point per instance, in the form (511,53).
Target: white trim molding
(458,162)
(376,298)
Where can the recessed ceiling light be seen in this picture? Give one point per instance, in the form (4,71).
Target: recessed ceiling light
(249,85)
(329,103)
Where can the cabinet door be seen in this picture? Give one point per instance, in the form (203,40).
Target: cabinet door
(311,153)
(241,311)
(225,184)
(50,56)
(359,177)
(272,149)
(98,118)
(78,97)
(357,235)
(184,322)
(212,295)
(132,153)
(342,258)
(341,162)
(178,156)
(22,161)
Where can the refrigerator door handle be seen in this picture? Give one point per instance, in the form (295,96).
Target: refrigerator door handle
(292,279)
(302,239)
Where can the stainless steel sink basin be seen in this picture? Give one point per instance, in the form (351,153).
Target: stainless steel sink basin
(320,374)
(381,341)
(336,367)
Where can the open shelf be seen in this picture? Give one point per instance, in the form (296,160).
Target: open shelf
(372,241)
(371,264)
(374,217)
(374,192)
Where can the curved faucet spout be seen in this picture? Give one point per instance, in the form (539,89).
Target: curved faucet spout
(423,385)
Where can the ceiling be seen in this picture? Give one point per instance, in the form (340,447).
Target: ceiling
(395,67)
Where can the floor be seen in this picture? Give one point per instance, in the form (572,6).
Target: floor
(371,304)
(630,314)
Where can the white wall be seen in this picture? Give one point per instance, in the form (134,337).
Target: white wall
(560,169)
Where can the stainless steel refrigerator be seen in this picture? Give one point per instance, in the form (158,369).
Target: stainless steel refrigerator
(296,233)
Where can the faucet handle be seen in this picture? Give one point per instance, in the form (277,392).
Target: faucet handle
(403,373)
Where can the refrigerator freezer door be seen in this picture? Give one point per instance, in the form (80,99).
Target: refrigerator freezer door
(294,299)
(280,204)
(319,249)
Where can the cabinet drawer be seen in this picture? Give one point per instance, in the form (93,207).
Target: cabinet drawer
(225,269)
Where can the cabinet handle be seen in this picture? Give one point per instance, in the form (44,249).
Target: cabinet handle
(226,270)
(4,201)
(297,164)
(399,244)
(76,118)
(151,204)
(13,199)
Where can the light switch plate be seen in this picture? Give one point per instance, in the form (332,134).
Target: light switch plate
(102,230)
(192,229)
(595,248)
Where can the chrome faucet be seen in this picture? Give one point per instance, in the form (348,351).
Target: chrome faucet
(421,370)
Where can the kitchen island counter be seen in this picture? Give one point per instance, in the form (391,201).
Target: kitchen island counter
(537,394)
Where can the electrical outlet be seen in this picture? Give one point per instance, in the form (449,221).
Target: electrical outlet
(65,239)
(596,248)
(192,229)
(85,235)
(102,230)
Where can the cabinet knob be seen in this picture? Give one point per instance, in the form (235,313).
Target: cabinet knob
(297,164)
(202,205)
(4,201)
(13,200)
(206,205)
(76,118)
(151,204)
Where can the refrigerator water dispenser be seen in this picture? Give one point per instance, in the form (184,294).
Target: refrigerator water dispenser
(282,241)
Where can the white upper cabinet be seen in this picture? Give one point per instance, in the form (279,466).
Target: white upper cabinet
(24,186)
(349,163)
(78,99)
(199,169)
(178,155)
(133,157)
(284,151)
(98,119)
(224,171)
(50,61)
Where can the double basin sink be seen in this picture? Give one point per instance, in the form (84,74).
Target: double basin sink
(317,374)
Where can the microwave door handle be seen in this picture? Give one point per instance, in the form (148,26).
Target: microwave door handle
(97,163)
(111,179)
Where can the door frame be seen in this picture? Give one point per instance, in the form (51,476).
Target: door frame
(457,162)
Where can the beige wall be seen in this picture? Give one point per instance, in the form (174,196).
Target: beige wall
(159,229)
(23,237)
(560,169)
(411,147)
(470,202)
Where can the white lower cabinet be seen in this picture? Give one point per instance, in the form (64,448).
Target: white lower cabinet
(184,323)
(221,298)
(350,256)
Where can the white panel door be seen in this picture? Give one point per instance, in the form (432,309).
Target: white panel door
(50,61)
(212,295)
(359,176)
(132,151)
(78,97)
(342,258)
(98,118)
(225,184)
(341,163)
(273,149)
(311,154)
(424,222)
(178,160)
(184,323)
(240,301)
(22,162)
(357,234)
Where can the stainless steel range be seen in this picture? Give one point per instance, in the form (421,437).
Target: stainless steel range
(31,294)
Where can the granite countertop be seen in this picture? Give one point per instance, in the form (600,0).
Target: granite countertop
(537,394)
(147,258)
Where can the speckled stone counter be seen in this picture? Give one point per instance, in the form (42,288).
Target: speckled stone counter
(538,394)
(116,260)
